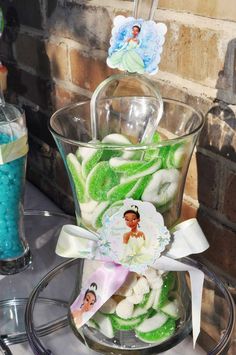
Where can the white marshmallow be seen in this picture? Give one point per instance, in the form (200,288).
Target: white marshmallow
(124,309)
(141,287)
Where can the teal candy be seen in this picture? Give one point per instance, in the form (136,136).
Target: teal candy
(12,183)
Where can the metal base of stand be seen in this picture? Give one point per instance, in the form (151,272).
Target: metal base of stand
(15,265)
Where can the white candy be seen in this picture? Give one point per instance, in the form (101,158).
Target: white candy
(109,306)
(127,288)
(135,299)
(142,286)
(88,207)
(154,191)
(124,309)
(154,279)
(102,206)
(156,283)
(118,139)
(150,273)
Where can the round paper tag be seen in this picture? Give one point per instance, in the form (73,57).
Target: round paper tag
(135,236)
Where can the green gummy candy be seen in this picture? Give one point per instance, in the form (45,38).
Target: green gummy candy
(164,154)
(108,154)
(144,168)
(153,153)
(88,164)
(138,189)
(177,155)
(168,284)
(100,180)
(100,210)
(121,191)
(124,166)
(156,138)
(88,157)
(145,299)
(161,333)
(115,139)
(125,324)
(76,174)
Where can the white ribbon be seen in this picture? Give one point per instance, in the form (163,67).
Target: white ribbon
(188,238)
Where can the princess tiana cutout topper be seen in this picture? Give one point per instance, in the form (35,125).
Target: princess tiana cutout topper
(136,45)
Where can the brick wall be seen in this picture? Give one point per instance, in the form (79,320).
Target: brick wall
(55,51)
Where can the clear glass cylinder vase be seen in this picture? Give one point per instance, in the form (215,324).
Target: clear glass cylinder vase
(14,250)
(103,173)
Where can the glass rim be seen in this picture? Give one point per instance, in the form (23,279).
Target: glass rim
(21,114)
(125,147)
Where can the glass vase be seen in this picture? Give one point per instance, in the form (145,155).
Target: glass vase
(108,161)
(14,250)
(99,184)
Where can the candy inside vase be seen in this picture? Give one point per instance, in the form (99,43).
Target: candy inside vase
(150,311)
(105,172)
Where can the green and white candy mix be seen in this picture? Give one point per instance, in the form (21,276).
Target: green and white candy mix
(145,305)
(103,177)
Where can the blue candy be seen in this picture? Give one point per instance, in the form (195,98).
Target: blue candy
(12,184)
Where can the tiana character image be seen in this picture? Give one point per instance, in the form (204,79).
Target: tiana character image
(134,241)
(127,58)
(136,45)
(132,219)
(89,300)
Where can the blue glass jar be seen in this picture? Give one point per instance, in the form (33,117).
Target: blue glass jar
(14,250)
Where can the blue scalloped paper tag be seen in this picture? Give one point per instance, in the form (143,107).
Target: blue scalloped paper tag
(136,45)
(134,236)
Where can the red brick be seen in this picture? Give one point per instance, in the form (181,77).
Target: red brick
(88,25)
(216,9)
(229,204)
(208,180)
(192,53)
(191,184)
(30,51)
(187,211)
(222,242)
(167,90)
(63,97)
(57,55)
(87,72)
